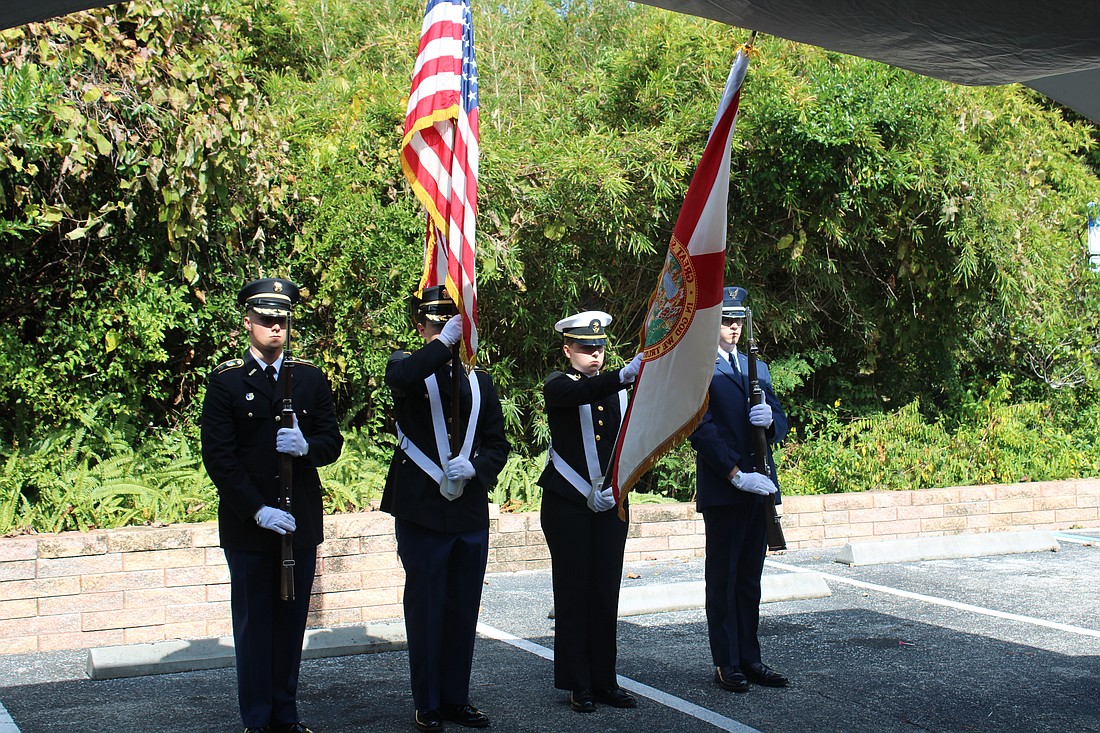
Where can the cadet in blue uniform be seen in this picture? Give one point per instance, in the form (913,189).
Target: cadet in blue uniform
(241,443)
(731,498)
(585,407)
(441,507)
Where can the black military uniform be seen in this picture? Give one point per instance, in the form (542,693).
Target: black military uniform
(240,420)
(443,541)
(586,545)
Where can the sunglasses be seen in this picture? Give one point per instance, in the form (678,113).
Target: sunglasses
(269,321)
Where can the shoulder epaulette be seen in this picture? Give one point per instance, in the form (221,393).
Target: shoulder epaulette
(226,365)
(297,360)
(574,377)
(400,354)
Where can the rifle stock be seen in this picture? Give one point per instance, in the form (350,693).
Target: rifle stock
(773,526)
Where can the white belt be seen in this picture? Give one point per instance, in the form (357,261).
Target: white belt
(450,490)
(591,455)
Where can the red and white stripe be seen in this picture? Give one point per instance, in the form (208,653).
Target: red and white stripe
(439,154)
(670,392)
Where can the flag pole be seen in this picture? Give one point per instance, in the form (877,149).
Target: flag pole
(684,313)
(456,399)
(439,156)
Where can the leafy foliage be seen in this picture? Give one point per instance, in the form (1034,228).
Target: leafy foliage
(905,242)
(89,477)
(136,164)
(998,441)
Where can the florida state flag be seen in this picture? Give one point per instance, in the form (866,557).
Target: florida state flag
(680,336)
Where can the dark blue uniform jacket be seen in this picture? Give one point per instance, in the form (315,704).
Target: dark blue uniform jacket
(724,439)
(410,493)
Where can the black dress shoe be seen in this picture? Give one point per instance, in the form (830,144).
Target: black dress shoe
(428,721)
(264,729)
(731,678)
(466,715)
(298,727)
(616,698)
(761,674)
(581,701)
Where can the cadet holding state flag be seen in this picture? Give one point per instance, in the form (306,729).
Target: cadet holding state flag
(585,407)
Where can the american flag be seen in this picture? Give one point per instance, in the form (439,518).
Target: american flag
(439,154)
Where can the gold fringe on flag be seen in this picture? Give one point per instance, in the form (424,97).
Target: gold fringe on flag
(671,442)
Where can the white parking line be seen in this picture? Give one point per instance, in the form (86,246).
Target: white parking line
(688,708)
(1077,538)
(7,725)
(940,601)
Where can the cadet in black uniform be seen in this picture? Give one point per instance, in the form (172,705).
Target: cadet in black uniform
(585,407)
(241,443)
(441,507)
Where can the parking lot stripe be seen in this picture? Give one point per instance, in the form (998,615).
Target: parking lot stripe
(1076,538)
(7,725)
(1080,630)
(688,708)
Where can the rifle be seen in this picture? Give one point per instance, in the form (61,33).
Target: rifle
(286,478)
(773,527)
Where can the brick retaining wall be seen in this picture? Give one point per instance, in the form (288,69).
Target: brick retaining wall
(144,584)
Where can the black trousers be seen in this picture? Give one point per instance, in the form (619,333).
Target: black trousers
(268,633)
(444,575)
(736,547)
(586,551)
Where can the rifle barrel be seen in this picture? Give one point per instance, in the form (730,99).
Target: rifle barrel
(773,526)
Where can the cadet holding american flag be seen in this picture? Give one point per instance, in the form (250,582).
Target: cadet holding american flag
(449,421)
(440,506)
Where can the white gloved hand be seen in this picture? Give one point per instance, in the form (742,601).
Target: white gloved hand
(291,441)
(630,372)
(761,415)
(603,500)
(276,520)
(753,483)
(460,469)
(452,331)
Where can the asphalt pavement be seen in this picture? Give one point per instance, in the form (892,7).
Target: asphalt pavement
(1008,643)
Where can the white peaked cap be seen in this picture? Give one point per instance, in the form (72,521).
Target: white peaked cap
(589,326)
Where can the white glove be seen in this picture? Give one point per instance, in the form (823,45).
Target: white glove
(291,440)
(753,483)
(603,500)
(630,372)
(460,469)
(452,331)
(276,520)
(761,415)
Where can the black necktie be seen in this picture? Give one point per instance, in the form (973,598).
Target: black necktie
(271,375)
(733,362)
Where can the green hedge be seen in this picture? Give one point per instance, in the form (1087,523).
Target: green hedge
(90,477)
